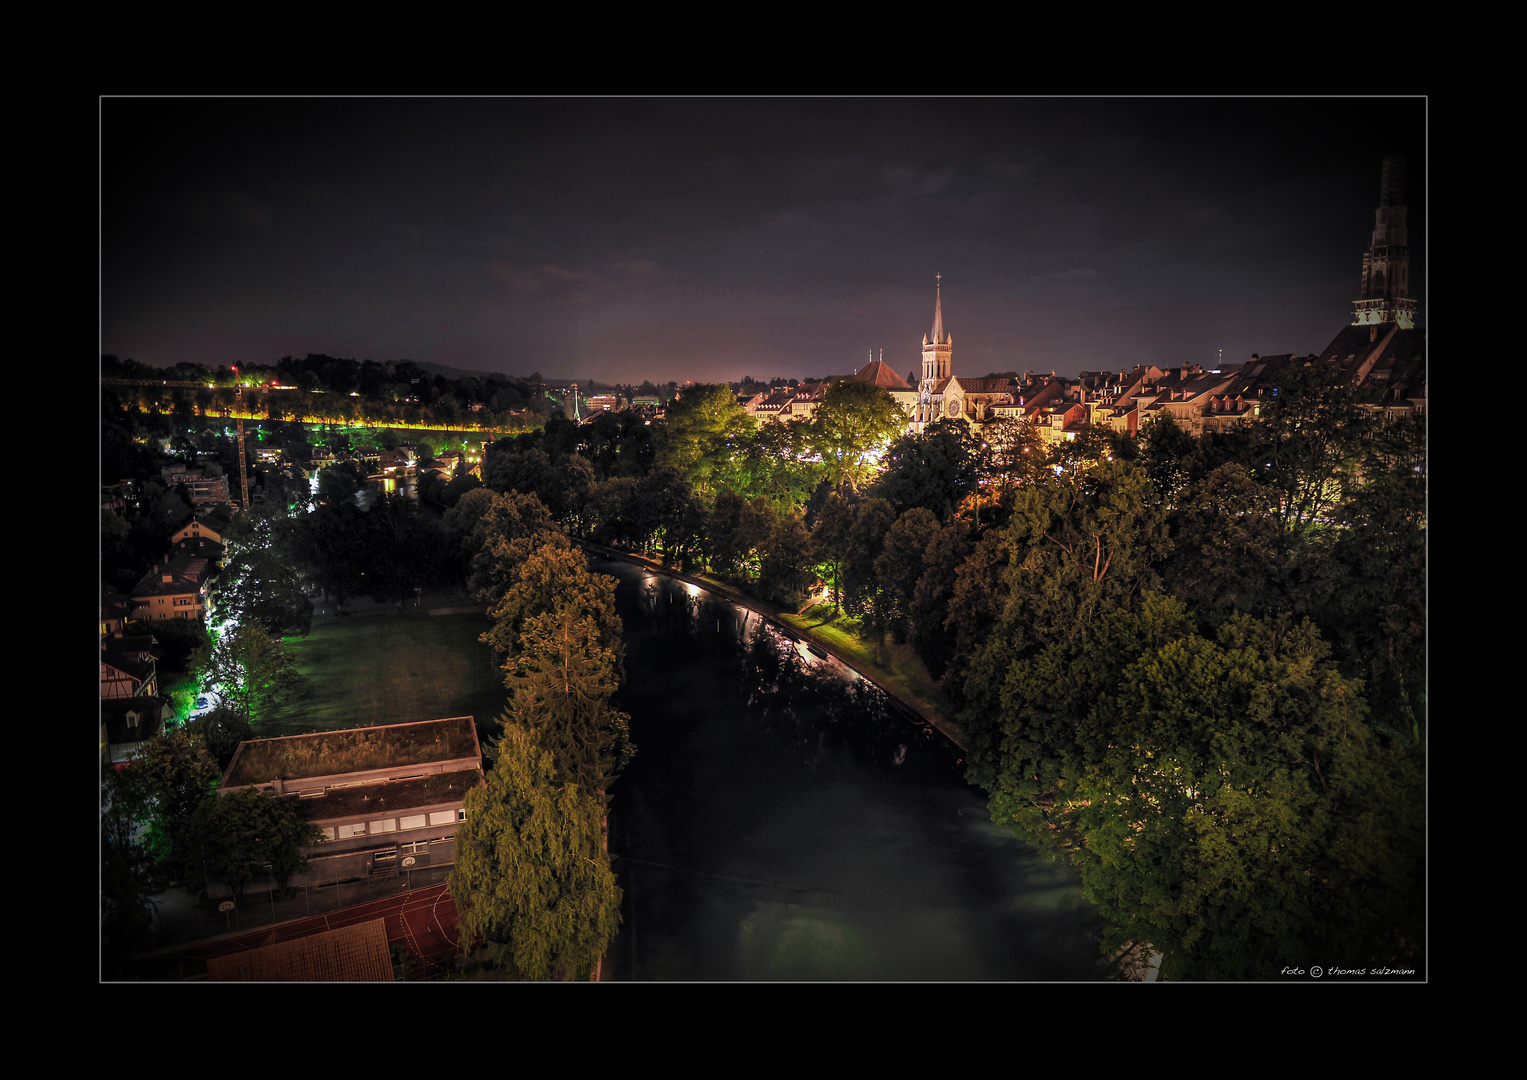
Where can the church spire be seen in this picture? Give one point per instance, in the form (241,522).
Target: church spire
(938,350)
(938,310)
(1385,294)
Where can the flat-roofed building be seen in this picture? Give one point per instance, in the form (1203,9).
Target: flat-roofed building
(386,798)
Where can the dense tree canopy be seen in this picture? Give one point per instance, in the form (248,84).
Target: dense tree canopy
(253,673)
(936,470)
(532,881)
(230,838)
(700,434)
(257,587)
(855,421)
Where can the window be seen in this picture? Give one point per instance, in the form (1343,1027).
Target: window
(413,821)
(385,825)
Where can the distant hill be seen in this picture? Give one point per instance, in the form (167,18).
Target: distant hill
(460,373)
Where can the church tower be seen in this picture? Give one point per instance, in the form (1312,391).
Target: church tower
(938,353)
(938,364)
(1385,295)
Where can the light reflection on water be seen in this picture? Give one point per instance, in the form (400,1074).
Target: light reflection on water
(782,821)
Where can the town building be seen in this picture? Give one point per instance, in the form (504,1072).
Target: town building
(132,708)
(884,376)
(174,589)
(205,490)
(387,799)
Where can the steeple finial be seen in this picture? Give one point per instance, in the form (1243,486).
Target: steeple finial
(938,309)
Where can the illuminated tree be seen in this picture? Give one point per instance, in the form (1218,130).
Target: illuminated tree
(1310,435)
(1243,812)
(553,577)
(532,881)
(254,674)
(160,789)
(258,587)
(700,433)
(855,420)
(561,683)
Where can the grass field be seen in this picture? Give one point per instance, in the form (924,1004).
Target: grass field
(895,666)
(391,669)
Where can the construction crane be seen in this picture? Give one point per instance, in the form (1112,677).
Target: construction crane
(243,471)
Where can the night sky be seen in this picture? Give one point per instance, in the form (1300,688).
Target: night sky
(623,239)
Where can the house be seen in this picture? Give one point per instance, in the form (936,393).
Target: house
(211,524)
(175,589)
(205,490)
(129,666)
(882,375)
(127,723)
(386,798)
(116,609)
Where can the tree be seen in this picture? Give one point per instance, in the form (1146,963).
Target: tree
(1244,813)
(253,673)
(553,577)
(774,462)
(399,543)
(785,567)
(934,595)
(661,500)
(532,881)
(259,588)
(1309,435)
(700,432)
(127,912)
(901,565)
(222,730)
(561,681)
(230,838)
(506,529)
(872,520)
(1164,451)
(322,546)
(830,540)
(1371,596)
(935,470)
(854,421)
(1078,548)
(1226,555)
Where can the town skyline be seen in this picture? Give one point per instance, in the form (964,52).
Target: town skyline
(626,239)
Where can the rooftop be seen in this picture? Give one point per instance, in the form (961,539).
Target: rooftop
(330,753)
(392,796)
(348,954)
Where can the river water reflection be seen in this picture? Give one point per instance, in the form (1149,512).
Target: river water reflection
(780,821)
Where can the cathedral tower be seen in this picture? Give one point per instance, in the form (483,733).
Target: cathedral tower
(1385,295)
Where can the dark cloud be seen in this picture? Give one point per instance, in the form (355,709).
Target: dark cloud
(712,238)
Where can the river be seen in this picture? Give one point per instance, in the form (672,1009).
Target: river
(781,822)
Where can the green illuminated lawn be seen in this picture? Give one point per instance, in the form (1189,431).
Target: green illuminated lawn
(391,669)
(895,666)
